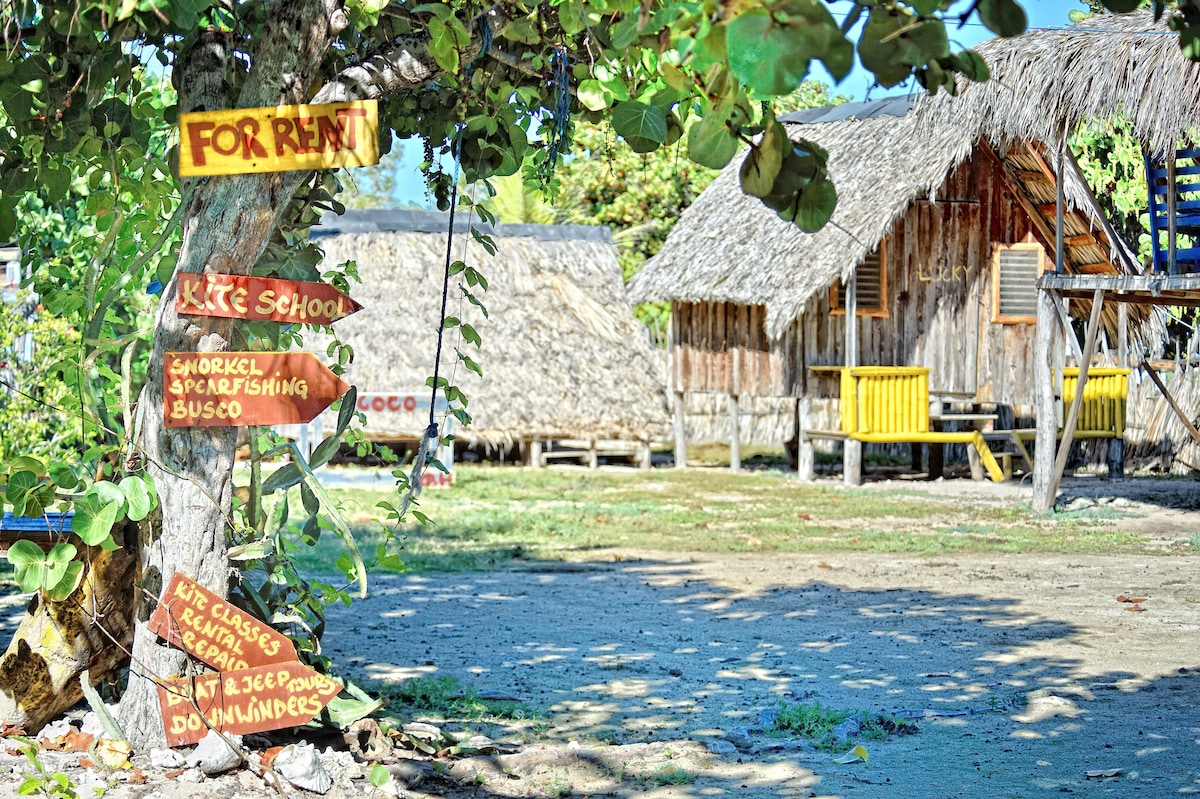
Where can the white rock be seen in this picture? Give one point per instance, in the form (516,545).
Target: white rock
(213,755)
(300,765)
(55,729)
(166,759)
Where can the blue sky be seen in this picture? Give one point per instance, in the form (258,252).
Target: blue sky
(856,85)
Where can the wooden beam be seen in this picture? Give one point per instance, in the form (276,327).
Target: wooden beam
(1047,418)
(1068,433)
(1069,332)
(1014,186)
(851,449)
(1191,428)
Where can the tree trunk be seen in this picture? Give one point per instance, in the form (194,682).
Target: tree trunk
(226,226)
(57,641)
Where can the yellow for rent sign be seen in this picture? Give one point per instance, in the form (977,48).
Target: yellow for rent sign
(279,139)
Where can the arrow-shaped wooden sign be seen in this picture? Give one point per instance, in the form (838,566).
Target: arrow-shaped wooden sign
(212,630)
(228,389)
(270,299)
(243,701)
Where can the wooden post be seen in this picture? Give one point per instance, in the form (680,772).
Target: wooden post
(806,460)
(852,450)
(735,435)
(593,458)
(735,430)
(1047,419)
(535,454)
(1068,433)
(1123,335)
(680,433)
(645,460)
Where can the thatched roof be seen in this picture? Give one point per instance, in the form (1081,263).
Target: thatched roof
(1047,81)
(562,354)
(729,247)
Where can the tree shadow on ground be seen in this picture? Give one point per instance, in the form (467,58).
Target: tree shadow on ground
(1013,696)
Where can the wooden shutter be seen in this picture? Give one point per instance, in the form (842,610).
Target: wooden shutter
(1015,272)
(872,285)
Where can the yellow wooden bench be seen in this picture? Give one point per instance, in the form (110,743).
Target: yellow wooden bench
(890,405)
(1102,414)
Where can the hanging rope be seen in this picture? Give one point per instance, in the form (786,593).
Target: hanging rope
(430,441)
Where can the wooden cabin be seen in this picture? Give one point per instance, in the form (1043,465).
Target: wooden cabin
(938,241)
(1130,68)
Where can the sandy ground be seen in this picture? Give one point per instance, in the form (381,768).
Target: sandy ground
(1024,674)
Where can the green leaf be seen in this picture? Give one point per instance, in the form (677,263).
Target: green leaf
(770,57)
(94,518)
(711,143)
(346,410)
(878,49)
(1003,17)
(1122,6)
(625,32)
(1189,43)
(379,775)
(8,220)
(972,65)
(764,160)
(66,585)
(37,570)
(19,484)
(324,451)
(283,477)
(139,500)
(814,206)
(593,95)
(308,499)
(442,45)
(635,121)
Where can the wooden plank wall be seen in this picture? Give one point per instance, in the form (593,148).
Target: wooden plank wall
(717,339)
(939,297)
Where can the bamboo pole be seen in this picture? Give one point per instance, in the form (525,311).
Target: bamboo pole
(1191,428)
(852,450)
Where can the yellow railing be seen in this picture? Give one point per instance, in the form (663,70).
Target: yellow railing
(890,405)
(1102,414)
(885,400)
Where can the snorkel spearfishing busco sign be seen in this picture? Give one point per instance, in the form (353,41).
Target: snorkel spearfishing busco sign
(243,140)
(238,389)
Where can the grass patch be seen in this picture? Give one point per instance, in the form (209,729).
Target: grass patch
(496,517)
(445,699)
(820,725)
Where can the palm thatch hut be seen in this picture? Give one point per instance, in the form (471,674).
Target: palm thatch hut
(562,356)
(938,240)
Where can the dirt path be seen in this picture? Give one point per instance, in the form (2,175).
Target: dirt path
(1023,673)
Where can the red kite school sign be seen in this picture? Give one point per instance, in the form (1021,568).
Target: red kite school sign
(243,140)
(269,299)
(224,389)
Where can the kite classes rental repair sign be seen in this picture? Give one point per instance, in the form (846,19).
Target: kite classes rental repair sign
(214,631)
(236,389)
(243,140)
(266,298)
